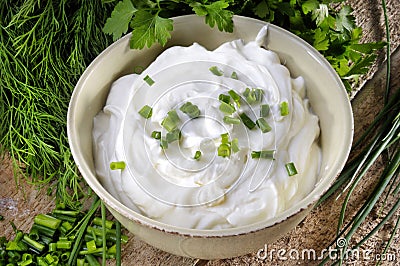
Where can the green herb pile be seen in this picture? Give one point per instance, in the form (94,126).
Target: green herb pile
(64,237)
(328,25)
(44,48)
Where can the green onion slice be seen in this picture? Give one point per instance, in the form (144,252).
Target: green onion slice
(146,111)
(236,97)
(173,135)
(284,107)
(291,169)
(171,121)
(197,155)
(226,108)
(190,109)
(225,138)
(163,143)
(224,150)
(156,135)
(117,165)
(264,110)
(224,98)
(266,154)
(235,145)
(234,75)
(247,121)
(216,71)
(263,125)
(231,120)
(148,80)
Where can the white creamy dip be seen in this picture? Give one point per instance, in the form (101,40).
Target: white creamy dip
(213,192)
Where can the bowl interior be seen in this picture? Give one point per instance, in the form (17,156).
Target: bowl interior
(327,95)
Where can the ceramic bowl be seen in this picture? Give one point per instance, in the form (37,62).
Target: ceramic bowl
(328,99)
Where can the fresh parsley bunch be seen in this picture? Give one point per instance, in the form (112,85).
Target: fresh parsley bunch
(328,25)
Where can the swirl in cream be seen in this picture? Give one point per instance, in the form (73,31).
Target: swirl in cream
(213,192)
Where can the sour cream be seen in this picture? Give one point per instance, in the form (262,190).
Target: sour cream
(213,192)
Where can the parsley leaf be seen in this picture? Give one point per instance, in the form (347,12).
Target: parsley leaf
(321,40)
(215,13)
(345,20)
(121,16)
(149,28)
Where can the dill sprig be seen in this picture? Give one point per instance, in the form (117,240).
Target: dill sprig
(44,48)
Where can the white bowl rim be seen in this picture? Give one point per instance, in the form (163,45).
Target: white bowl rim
(130,214)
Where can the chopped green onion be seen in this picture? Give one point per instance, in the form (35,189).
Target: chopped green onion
(247,121)
(263,125)
(235,145)
(64,244)
(32,243)
(231,120)
(258,93)
(163,143)
(190,109)
(224,150)
(284,107)
(171,121)
(47,221)
(197,155)
(264,110)
(146,111)
(225,138)
(117,165)
(156,135)
(234,75)
(236,97)
(291,169)
(253,95)
(173,135)
(216,71)
(226,108)
(91,245)
(224,98)
(267,154)
(148,80)
(99,222)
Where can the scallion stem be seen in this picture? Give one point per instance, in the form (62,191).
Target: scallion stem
(216,71)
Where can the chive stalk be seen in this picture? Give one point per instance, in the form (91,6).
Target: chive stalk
(224,98)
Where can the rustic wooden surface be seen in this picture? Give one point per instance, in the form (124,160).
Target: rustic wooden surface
(20,202)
